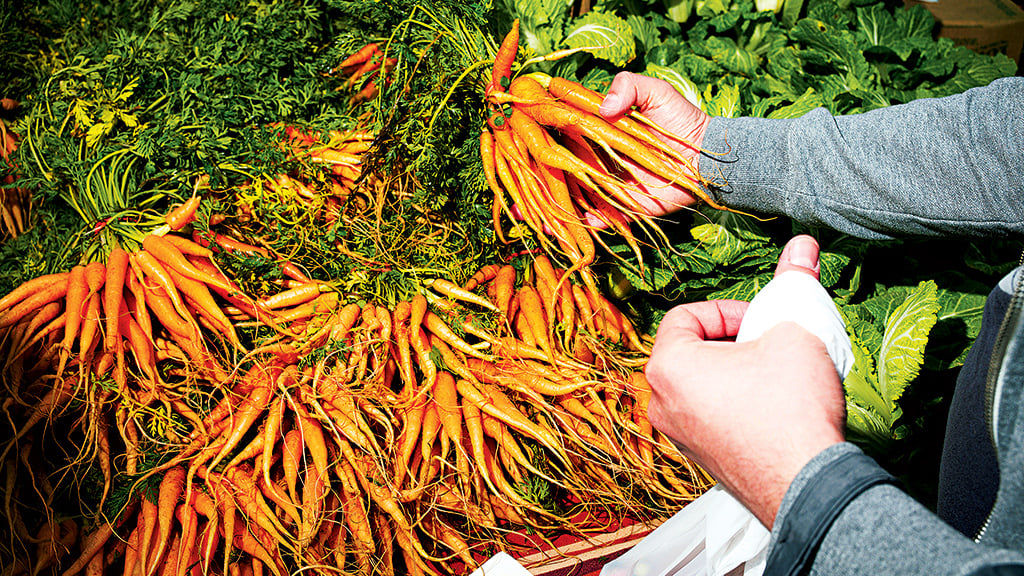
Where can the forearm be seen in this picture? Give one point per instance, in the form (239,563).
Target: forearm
(949,166)
(877,530)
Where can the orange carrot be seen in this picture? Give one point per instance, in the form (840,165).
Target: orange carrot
(587,313)
(183,214)
(199,295)
(407,440)
(360,56)
(171,487)
(188,551)
(188,247)
(162,307)
(172,258)
(499,205)
(35,301)
(291,456)
(32,287)
(148,519)
(504,287)
(496,404)
(250,409)
(113,289)
(449,411)
(482,276)
(442,330)
(95,274)
(74,305)
(90,328)
(147,266)
(501,72)
(454,291)
(532,309)
(293,297)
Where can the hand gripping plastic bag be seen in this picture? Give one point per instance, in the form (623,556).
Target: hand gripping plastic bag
(715,535)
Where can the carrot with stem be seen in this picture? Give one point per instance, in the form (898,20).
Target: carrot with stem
(454,291)
(113,290)
(32,287)
(171,258)
(501,72)
(499,205)
(169,493)
(74,304)
(482,276)
(438,327)
(183,214)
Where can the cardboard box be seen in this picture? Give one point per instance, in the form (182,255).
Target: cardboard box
(985,26)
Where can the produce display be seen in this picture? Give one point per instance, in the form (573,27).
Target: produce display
(292,287)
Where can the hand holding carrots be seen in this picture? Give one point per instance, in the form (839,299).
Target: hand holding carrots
(752,413)
(664,105)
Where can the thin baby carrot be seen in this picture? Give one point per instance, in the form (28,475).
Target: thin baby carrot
(74,305)
(172,258)
(504,288)
(501,72)
(113,290)
(453,290)
(31,287)
(183,214)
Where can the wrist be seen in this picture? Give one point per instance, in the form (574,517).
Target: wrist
(764,490)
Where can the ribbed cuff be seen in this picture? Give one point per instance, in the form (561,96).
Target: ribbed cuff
(819,502)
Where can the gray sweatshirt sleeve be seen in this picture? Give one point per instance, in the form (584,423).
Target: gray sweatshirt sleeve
(931,167)
(877,529)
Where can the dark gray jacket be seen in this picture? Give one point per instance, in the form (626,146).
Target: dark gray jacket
(933,167)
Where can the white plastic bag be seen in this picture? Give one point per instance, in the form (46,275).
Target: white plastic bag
(501,564)
(715,535)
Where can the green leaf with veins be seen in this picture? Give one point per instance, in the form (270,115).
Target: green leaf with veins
(604,35)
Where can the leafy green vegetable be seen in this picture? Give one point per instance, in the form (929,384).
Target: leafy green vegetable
(604,35)
(887,362)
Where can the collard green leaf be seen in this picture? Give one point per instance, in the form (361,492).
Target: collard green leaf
(653,279)
(830,44)
(645,32)
(745,289)
(915,22)
(700,69)
(541,22)
(729,237)
(832,265)
(723,246)
(861,384)
(695,260)
(807,101)
(877,25)
(681,83)
(726,101)
(904,341)
(959,321)
(885,299)
(604,35)
(727,53)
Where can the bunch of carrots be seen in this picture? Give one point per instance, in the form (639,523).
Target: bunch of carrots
(363,437)
(295,428)
(363,69)
(14,200)
(548,153)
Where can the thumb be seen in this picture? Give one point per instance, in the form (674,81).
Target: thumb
(801,254)
(613,105)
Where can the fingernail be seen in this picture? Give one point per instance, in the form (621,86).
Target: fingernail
(610,105)
(804,253)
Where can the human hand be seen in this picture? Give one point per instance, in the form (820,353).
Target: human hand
(665,106)
(753,413)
